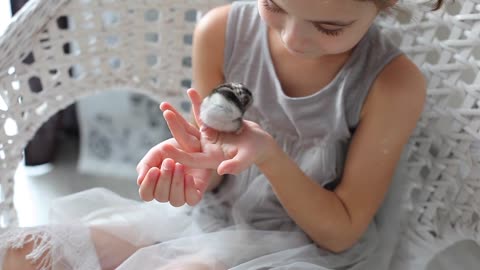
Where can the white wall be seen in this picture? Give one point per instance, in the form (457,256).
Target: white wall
(5,14)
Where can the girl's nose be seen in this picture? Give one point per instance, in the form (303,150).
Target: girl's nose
(295,34)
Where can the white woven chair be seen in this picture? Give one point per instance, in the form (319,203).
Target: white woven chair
(144,46)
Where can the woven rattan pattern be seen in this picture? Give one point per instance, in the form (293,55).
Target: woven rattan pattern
(145,46)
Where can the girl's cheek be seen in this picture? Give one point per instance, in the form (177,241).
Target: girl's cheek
(334,46)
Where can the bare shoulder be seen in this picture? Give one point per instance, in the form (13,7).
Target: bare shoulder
(210,31)
(400,85)
(214,22)
(208,49)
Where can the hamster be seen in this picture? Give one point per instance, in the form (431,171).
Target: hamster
(224,108)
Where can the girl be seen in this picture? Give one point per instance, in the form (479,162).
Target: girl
(298,188)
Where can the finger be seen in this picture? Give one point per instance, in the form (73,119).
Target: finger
(210,134)
(147,187)
(198,159)
(192,130)
(153,158)
(201,185)
(162,189)
(141,176)
(196,101)
(192,194)
(236,164)
(142,169)
(186,141)
(177,189)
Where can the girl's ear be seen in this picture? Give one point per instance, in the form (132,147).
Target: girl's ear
(389,3)
(385,4)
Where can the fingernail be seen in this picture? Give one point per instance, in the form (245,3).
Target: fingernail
(138,180)
(178,166)
(167,165)
(140,173)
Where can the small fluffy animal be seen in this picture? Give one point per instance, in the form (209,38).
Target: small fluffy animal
(224,108)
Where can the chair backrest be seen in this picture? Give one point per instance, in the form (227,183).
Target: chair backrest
(144,46)
(443,155)
(56,52)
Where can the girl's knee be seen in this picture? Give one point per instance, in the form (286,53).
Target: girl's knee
(16,258)
(111,250)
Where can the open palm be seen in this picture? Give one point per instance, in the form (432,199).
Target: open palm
(207,148)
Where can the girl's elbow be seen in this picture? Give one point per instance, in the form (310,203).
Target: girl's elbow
(340,244)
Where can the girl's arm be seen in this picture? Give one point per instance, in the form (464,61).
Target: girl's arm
(336,219)
(207,58)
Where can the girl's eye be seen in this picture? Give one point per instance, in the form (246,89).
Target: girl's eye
(271,6)
(329,32)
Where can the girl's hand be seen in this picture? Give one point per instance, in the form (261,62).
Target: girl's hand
(226,152)
(165,180)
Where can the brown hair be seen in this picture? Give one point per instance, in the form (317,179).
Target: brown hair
(387,3)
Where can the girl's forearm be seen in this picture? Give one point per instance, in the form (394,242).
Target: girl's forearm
(319,212)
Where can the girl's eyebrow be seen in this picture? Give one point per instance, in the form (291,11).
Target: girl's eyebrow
(334,23)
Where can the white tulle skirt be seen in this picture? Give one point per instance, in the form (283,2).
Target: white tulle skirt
(98,229)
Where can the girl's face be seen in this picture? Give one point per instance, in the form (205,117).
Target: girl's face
(313,28)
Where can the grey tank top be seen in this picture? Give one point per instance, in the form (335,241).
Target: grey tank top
(314,131)
(320,125)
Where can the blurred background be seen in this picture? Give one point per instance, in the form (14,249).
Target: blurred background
(5,14)
(98,141)
(95,142)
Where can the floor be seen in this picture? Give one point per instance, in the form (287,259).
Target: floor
(37,187)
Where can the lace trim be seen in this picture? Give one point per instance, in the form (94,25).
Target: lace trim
(67,246)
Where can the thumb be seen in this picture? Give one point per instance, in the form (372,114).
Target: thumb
(234,165)
(227,167)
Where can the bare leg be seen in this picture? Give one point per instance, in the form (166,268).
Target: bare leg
(15,258)
(111,252)
(195,263)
